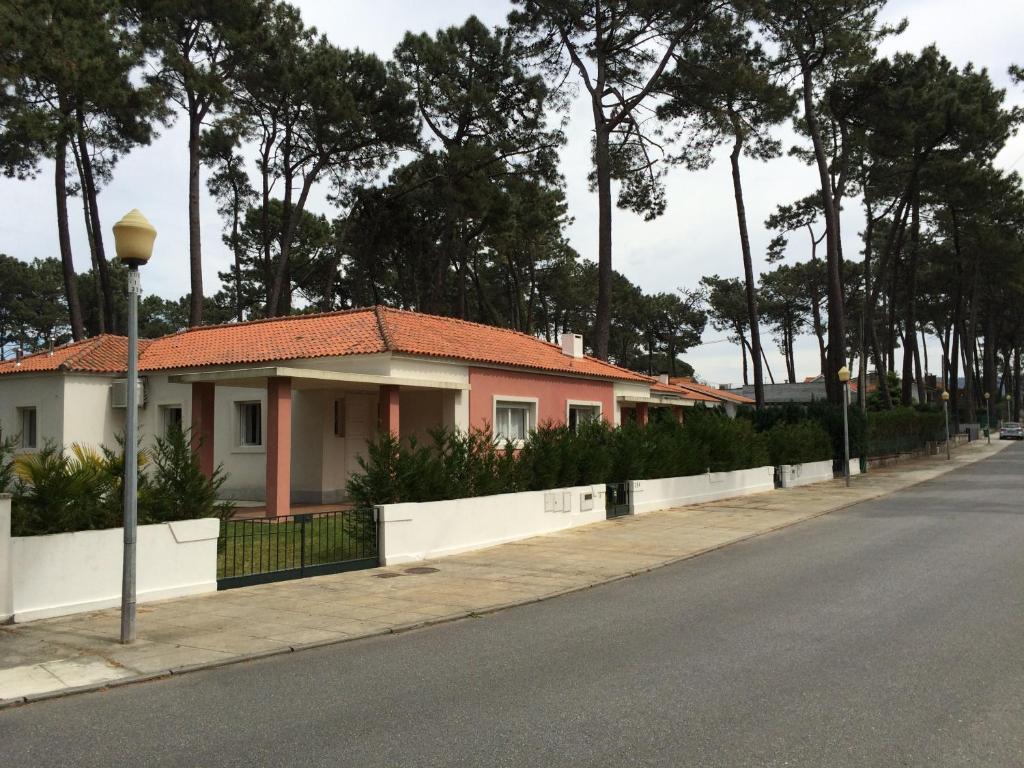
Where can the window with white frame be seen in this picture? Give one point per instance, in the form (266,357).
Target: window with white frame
(513,420)
(170,419)
(582,413)
(250,424)
(27,420)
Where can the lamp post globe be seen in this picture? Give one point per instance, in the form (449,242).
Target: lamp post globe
(133,243)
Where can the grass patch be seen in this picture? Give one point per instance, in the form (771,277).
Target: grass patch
(249,547)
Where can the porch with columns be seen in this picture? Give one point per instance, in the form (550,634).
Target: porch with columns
(432,404)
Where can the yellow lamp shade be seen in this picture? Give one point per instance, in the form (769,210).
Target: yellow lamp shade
(844,374)
(133,238)
(945,395)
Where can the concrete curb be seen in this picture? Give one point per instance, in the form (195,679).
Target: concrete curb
(475,613)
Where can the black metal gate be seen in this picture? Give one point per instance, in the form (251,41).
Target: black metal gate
(291,547)
(616,499)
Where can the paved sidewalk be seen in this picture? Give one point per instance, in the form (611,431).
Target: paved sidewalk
(56,656)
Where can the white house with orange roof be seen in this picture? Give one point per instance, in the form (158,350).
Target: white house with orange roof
(287,405)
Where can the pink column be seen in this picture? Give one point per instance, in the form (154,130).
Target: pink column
(641,413)
(202,425)
(678,411)
(279,446)
(388,410)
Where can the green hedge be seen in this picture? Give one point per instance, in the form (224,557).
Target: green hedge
(799,443)
(827,416)
(81,489)
(460,465)
(902,430)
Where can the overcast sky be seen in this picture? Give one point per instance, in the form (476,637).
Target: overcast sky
(696,236)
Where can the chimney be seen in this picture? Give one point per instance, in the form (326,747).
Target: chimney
(17,357)
(572,344)
(663,378)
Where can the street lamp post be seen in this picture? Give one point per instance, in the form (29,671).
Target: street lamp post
(133,241)
(988,419)
(844,377)
(945,411)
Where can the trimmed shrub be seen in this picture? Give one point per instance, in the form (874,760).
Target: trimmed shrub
(459,465)
(175,487)
(6,464)
(799,443)
(731,443)
(81,490)
(902,430)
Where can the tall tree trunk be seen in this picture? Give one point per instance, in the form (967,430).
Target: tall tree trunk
(195,252)
(836,353)
(236,249)
(756,353)
(280,300)
(1016,385)
(602,167)
(64,239)
(743,351)
(910,319)
(970,392)
(89,191)
(97,288)
(790,356)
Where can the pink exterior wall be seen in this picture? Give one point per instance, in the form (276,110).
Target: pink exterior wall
(552,393)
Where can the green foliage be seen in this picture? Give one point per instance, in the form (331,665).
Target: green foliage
(826,415)
(799,443)
(731,443)
(80,490)
(6,462)
(460,465)
(177,489)
(903,429)
(56,492)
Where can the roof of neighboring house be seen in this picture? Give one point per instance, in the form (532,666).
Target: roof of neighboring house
(801,392)
(334,334)
(105,353)
(714,393)
(689,394)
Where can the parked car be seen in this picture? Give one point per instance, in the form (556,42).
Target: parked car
(1011,430)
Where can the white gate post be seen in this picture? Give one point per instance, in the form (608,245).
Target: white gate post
(6,560)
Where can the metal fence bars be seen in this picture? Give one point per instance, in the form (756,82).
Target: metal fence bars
(291,547)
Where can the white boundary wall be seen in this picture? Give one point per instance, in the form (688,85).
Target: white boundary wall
(418,531)
(64,573)
(793,475)
(669,492)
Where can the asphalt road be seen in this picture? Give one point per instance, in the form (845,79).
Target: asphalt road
(888,634)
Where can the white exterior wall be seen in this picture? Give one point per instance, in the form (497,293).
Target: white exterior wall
(669,492)
(793,475)
(44,392)
(72,572)
(89,418)
(245,466)
(410,532)
(161,392)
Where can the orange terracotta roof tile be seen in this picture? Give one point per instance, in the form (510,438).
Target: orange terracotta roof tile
(717,394)
(675,389)
(335,334)
(434,336)
(105,353)
(353,332)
